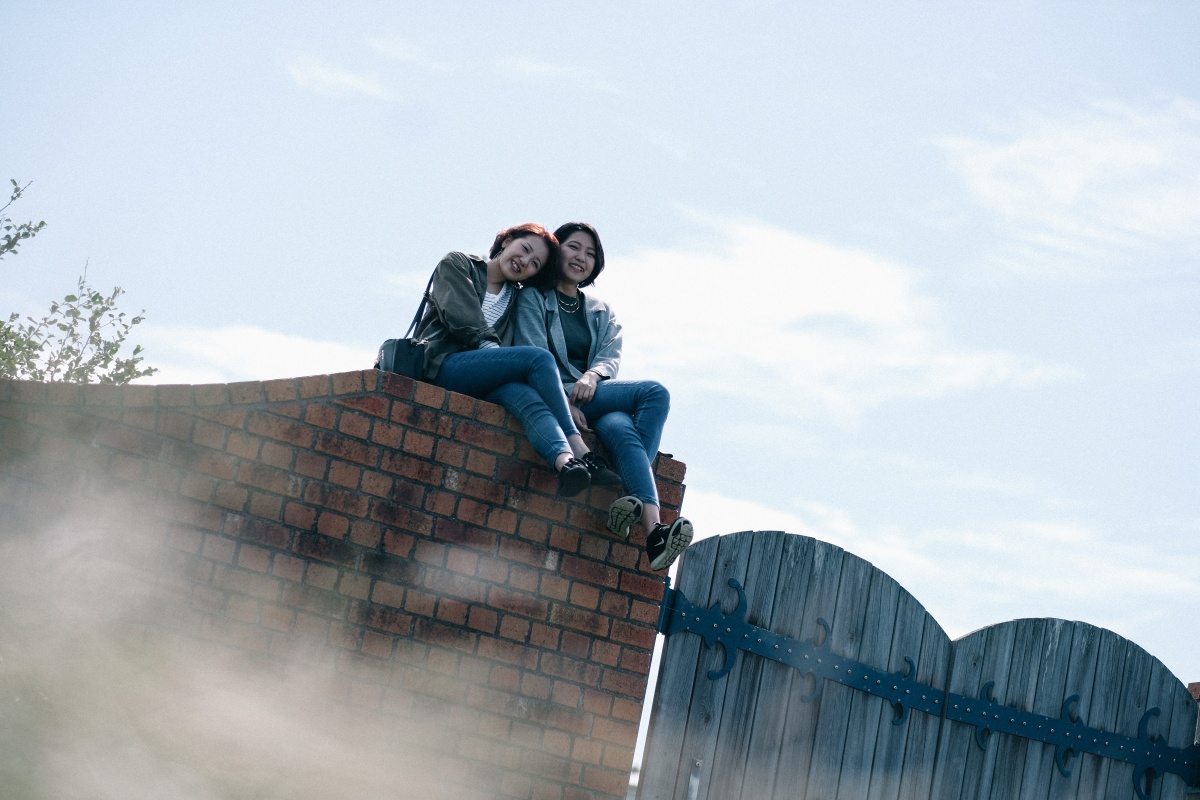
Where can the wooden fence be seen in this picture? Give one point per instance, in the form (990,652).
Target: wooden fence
(793,669)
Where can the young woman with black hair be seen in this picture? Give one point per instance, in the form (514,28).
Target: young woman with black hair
(583,334)
(469,324)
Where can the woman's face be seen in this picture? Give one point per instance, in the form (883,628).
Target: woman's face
(578,257)
(522,257)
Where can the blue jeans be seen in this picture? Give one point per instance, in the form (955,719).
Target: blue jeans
(525,381)
(628,416)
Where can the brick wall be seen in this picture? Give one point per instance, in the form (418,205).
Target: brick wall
(408,531)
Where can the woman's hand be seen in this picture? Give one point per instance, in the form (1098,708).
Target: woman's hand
(579,418)
(585,388)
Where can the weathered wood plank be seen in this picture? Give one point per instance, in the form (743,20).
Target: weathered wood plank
(922,747)
(845,639)
(800,727)
(787,619)
(708,697)
(1054,660)
(867,713)
(1080,678)
(1100,711)
(1017,691)
(733,756)
(661,765)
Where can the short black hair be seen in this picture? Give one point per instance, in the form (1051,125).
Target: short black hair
(565,230)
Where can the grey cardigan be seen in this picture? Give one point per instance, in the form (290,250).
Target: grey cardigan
(539,325)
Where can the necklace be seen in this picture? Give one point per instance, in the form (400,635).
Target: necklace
(571,306)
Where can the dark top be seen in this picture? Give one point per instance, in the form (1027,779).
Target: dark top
(575,331)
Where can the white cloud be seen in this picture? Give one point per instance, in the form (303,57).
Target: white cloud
(1103,183)
(242,352)
(971,575)
(533,70)
(400,49)
(797,324)
(316,75)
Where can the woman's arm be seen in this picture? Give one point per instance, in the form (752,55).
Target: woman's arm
(531,319)
(456,299)
(607,360)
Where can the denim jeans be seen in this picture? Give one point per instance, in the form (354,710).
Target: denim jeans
(628,416)
(525,381)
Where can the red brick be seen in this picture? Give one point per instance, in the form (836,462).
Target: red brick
(355,425)
(266,506)
(622,683)
(543,636)
(286,567)
(396,385)
(347,449)
(527,554)
(311,464)
(365,533)
(488,438)
(452,611)
(277,455)
(246,392)
(344,474)
(351,382)
(555,587)
(606,653)
(429,395)
(387,434)
(386,619)
(575,644)
(324,548)
(535,530)
(546,507)
(299,516)
(504,599)
(451,454)
(231,497)
(636,635)
(514,628)
(564,539)
(460,560)
(647,586)
(388,594)
(590,571)
(353,584)
(280,390)
(285,430)
(376,483)
(577,619)
(373,405)
(243,446)
(376,644)
(321,415)
(401,517)
(669,468)
(483,619)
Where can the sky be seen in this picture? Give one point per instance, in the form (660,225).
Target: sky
(921,277)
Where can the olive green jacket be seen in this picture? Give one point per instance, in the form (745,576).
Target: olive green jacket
(453,320)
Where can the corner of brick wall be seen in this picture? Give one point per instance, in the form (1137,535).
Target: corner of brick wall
(410,531)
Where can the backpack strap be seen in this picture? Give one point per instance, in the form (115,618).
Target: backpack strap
(426,299)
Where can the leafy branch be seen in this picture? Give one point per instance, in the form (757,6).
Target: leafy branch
(79,340)
(14,233)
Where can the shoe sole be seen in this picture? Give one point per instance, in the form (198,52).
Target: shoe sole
(622,514)
(678,538)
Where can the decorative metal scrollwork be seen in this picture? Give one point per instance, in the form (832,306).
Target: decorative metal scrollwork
(1148,753)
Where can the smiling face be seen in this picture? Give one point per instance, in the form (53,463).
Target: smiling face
(521,257)
(577,258)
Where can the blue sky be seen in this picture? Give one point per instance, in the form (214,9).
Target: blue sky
(922,277)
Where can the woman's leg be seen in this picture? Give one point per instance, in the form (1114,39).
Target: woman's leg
(646,402)
(628,416)
(541,428)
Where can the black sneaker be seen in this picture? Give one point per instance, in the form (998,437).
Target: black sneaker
(598,469)
(666,542)
(622,514)
(573,478)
